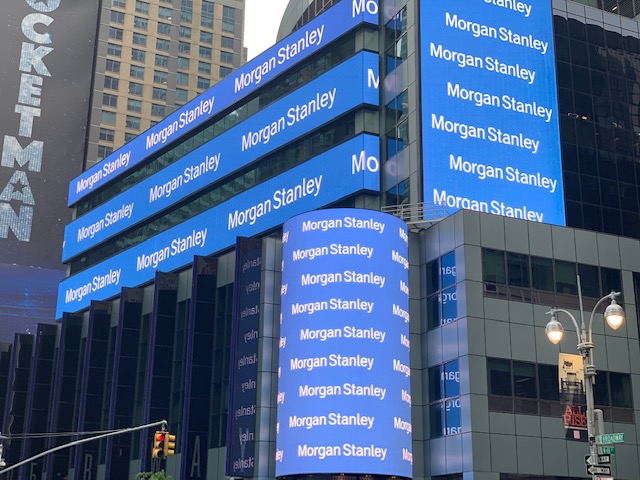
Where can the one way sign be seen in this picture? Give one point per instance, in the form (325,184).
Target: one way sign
(598,470)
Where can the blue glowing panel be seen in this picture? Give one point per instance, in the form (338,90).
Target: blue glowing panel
(489,108)
(355,167)
(352,83)
(344,402)
(272,62)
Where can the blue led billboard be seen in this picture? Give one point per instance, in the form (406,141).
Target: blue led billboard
(350,84)
(355,166)
(344,400)
(490,129)
(272,62)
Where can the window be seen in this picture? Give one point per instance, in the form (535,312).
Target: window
(107,134)
(444,400)
(206,37)
(499,371)
(164,28)
(566,277)
(182,95)
(226,57)
(133,122)
(224,71)
(186,11)
(542,274)
(115,33)
(204,67)
(108,118)
(182,78)
(112,66)
(109,100)
(493,266)
(518,270)
(163,44)
(136,71)
(204,52)
(228,19)
(138,55)
(129,136)
(159,93)
(142,7)
(134,105)
(185,32)
(119,3)
(161,60)
(111,83)
(139,39)
(203,83)
(165,13)
(206,19)
(135,88)
(158,110)
(117,17)
(183,63)
(141,23)
(104,151)
(184,47)
(442,291)
(160,76)
(227,42)
(113,49)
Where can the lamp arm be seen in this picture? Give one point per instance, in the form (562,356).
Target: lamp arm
(610,296)
(573,319)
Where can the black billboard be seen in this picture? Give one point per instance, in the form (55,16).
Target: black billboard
(47,62)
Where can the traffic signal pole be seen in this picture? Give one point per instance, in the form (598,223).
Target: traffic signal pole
(162,423)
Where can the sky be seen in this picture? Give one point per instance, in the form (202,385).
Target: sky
(262,19)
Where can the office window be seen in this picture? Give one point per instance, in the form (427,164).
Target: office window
(203,83)
(444,400)
(111,83)
(182,95)
(119,3)
(117,17)
(164,28)
(158,110)
(518,270)
(138,55)
(112,66)
(224,71)
(163,44)
(159,93)
(135,88)
(566,277)
(115,33)
(499,372)
(442,291)
(226,57)
(184,47)
(107,134)
(186,11)
(206,37)
(165,13)
(113,49)
(108,118)
(109,100)
(493,266)
(204,52)
(204,67)
(227,42)
(129,136)
(139,39)
(206,19)
(142,7)
(160,76)
(134,105)
(141,23)
(182,78)
(161,60)
(136,71)
(185,32)
(228,19)
(542,274)
(183,63)
(104,151)
(133,122)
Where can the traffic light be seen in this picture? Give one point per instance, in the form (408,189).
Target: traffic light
(169,444)
(159,444)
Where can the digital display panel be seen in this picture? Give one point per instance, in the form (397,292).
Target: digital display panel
(344,400)
(272,62)
(336,92)
(489,108)
(355,166)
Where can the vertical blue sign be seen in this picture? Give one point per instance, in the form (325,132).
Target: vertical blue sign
(490,128)
(344,402)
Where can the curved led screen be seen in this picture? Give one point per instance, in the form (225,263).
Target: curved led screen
(344,403)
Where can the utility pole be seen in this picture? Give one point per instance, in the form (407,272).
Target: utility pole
(162,423)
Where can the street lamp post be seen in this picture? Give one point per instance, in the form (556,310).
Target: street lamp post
(614,314)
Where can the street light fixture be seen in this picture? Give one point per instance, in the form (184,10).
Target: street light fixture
(614,314)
